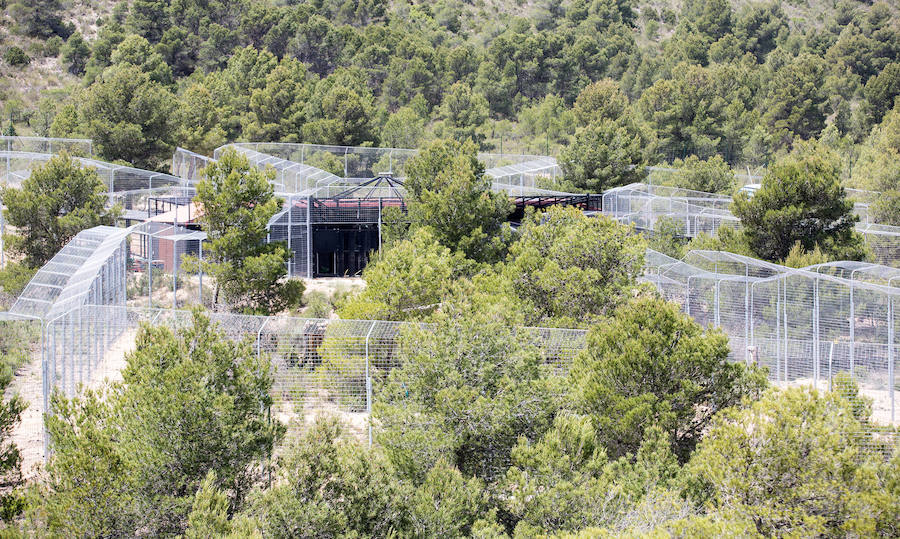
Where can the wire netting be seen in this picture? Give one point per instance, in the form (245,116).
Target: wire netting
(648,207)
(333,366)
(811,326)
(49,145)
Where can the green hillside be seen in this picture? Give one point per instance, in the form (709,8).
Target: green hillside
(740,79)
(691,358)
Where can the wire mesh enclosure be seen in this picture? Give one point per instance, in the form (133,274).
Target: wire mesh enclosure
(689,213)
(89,270)
(306,166)
(811,326)
(163,266)
(72,146)
(333,366)
(18,165)
(647,207)
(336,197)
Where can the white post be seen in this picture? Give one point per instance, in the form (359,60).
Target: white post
(746,307)
(891,352)
(852,326)
(309,242)
(816,351)
(369,384)
(149,270)
(784,307)
(201,273)
(290,235)
(175,270)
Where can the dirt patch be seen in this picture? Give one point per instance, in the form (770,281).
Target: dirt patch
(298,420)
(28,435)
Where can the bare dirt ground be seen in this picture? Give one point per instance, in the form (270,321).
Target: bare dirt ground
(29,433)
(297,420)
(330,285)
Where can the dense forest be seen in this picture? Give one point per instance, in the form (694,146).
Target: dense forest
(743,81)
(651,430)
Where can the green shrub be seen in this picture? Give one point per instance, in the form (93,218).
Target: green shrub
(52,47)
(15,56)
(318,305)
(14,277)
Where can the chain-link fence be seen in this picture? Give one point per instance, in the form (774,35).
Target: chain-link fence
(340,366)
(650,207)
(73,146)
(807,326)
(332,366)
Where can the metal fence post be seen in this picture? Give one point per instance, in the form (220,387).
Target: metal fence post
(746,311)
(716,306)
(852,328)
(369,383)
(175,268)
(687,302)
(259,337)
(309,240)
(891,352)
(200,294)
(149,238)
(784,306)
(290,234)
(816,351)
(831,367)
(778,343)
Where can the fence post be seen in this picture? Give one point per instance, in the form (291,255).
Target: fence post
(200,294)
(784,307)
(309,240)
(891,352)
(816,351)
(830,367)
(175,265)
(716,313)
(778,330)
(45,385)
(149,238)
(746,310)
(259,338)
(687,302)
(852,326)
(752,328)
(290,233)
(369,383)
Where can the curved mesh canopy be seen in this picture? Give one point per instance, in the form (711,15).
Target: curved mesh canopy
(694,212)
(73,146)
(16,166)
(89,270)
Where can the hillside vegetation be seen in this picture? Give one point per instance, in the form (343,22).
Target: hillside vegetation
(744,80)
(536,386)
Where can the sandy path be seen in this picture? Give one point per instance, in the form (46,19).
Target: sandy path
(28,435)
